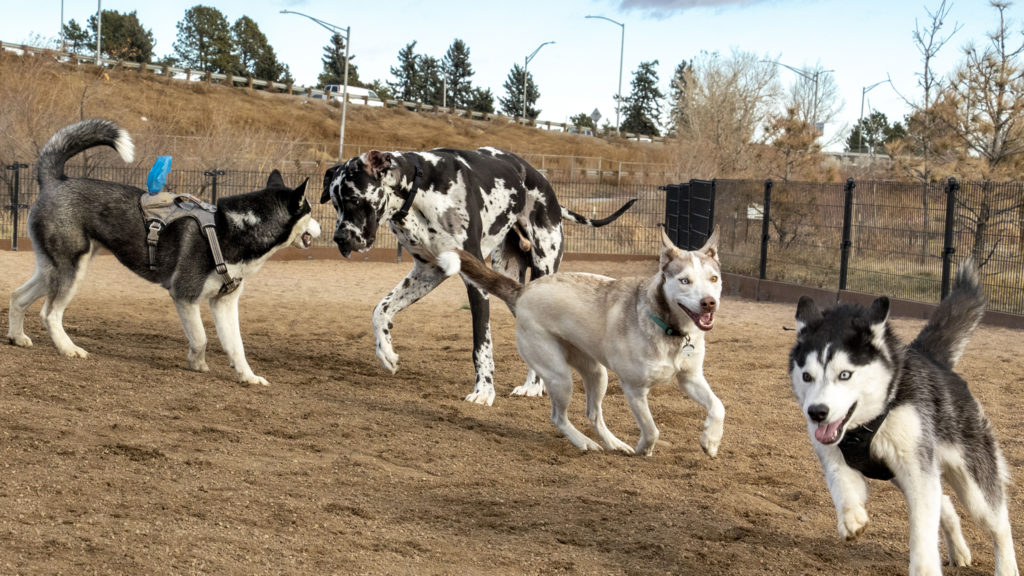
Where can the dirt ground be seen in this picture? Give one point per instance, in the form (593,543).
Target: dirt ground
(126,463)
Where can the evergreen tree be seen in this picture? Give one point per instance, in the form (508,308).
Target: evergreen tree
(76,39)
(406,73)
(458,71)
(256,57)
(512,104)
(429,81)
(871,134)
(124,38)
(678,96)
(334,64)
(582,120)
(643,105)
(481,100)
(204,41)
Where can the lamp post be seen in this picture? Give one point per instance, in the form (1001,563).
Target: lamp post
(622,45)
(525,64)
(860,121)
(812,76)
(346,32)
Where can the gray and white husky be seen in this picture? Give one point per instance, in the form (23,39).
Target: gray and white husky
(73,217)
(648,330)
(879,409)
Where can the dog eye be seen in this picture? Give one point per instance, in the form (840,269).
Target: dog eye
(845,375)
(807,377)
(684,281)
(714,278)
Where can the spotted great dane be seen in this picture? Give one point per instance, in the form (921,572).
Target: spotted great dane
(484,201)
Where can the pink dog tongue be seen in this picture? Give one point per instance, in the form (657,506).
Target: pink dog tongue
(707,319)
(826,433)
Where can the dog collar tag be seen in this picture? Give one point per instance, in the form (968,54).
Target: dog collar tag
(688,348)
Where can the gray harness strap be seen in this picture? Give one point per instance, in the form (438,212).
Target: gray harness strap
(161,209)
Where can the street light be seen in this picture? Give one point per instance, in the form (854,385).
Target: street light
(813,76)
(622,44)
(347,33)
(860,127)
(525,64)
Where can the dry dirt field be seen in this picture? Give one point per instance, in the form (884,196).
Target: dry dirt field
(126,463)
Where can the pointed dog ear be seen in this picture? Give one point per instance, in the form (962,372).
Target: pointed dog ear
(711,246)
(275,180)
(807,312)
(325,196)
(377,162)
(668,249)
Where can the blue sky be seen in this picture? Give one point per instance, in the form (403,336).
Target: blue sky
(863,42)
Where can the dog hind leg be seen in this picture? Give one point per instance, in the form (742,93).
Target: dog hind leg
(224,309)
(989,510)
(192,322)
(21,299)
(956,546)
(509,260)
(64,282)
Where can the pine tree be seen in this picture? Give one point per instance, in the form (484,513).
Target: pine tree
(871,134)
(76,39)
(334,64)
(481,100)
(429,83)
(256,57)
(643,106)
(204,41)
(124,38)
(406,73)
(458,71)
(678,95)
(512,104)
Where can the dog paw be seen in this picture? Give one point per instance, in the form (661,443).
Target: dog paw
(528,390)
(483,397)
(251,378)
(852,521)
(388,358)
(616,444)
(199,365)
(74,352)
(709,445)
(20,340)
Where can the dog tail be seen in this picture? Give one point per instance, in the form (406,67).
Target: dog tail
(945,336)
(474,270)
(595,222)
(77,138)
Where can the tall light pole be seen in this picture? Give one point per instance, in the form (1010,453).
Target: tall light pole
(622,45)
(860,122)
(525,64)
(99,30)
(812,76)
(346,32)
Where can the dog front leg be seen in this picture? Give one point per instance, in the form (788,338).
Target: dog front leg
(418,283)
(696,386)
(923,491)
(636,396)
(483,349)
(848,488)
(192,322)
(225,318)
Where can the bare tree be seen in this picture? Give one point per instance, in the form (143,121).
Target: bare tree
(814,96)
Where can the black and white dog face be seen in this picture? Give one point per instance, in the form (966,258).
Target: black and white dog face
(841,366)
(358,189)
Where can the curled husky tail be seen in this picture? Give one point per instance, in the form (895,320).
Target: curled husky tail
(480,275)
(595,222)
(77,138)
(945,336)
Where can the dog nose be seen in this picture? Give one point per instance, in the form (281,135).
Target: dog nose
(708,304)
(818,412)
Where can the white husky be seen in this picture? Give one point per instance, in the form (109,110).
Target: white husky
(879,409)
(648,330)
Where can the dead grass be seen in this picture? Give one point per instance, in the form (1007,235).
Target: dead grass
(204,125)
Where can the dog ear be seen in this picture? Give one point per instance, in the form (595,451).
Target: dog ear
(377,162)
(275,180)
(325,196)
(807,312)
(879,310)
(668,249)
(711,246)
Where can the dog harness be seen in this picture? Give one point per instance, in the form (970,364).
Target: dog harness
(399,217)
(856,449)
(161,209)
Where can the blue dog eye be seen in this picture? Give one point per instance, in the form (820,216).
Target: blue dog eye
(845,375)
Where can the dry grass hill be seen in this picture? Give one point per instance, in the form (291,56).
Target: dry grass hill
(206,125)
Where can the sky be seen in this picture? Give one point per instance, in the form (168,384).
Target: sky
(861,42)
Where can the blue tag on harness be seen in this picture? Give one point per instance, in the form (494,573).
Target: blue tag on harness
(158,174)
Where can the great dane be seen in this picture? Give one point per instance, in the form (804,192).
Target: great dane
(484,201)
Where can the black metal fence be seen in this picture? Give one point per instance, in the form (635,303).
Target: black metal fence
(900,239)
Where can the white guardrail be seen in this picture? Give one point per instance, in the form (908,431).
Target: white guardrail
(188,75)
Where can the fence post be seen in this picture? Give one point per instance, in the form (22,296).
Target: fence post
(766,212)
(213,192)
(844,264)
(952,186)
(16,204)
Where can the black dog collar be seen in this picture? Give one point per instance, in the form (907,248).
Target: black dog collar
(856,449)
(399,217)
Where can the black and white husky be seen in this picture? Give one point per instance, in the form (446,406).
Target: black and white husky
(879,409)
(73,217)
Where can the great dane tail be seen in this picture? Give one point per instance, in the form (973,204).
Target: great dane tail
(595,222)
